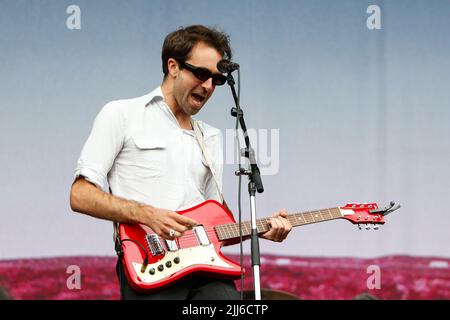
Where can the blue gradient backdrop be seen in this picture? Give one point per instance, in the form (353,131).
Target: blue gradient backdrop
(362,114)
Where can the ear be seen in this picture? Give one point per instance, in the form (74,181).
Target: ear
(172,67)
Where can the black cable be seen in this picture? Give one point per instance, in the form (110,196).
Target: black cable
(238,107)
(145,264)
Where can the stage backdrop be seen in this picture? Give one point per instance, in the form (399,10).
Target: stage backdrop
(346,101)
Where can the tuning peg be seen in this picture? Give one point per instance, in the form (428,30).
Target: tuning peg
(359,226)
(367,227)
(376,227)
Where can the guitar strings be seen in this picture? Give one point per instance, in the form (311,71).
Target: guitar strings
(190,237)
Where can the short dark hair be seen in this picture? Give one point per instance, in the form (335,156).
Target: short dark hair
(178,44)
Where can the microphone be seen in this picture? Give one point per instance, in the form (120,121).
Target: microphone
(226,65)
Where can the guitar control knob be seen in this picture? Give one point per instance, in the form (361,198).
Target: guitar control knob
(152,271)
(168,264)
(176,260)
(160,267)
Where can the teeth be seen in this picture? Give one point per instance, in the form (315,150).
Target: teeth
(198,97)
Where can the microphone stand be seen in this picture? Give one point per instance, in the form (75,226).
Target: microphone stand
(254,184)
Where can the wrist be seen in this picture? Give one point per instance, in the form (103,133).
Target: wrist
(138,212)
(144,213)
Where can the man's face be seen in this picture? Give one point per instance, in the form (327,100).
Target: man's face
(191,93)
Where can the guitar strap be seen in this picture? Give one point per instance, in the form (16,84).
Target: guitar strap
(199,135)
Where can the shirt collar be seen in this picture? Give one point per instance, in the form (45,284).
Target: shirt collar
(155,94)
(158,97)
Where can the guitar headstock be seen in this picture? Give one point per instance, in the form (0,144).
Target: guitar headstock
(363,213)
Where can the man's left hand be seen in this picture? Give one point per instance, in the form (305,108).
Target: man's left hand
(279,227)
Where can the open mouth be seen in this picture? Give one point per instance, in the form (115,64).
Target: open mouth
(198,99)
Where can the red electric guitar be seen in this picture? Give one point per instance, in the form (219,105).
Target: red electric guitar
(151,262)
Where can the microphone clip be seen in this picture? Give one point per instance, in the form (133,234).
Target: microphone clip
(226,66)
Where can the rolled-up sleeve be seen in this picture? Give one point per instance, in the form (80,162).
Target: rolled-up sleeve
(102,146)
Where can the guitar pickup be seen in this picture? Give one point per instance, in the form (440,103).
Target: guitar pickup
(154,244)
(171,245)
(201,235)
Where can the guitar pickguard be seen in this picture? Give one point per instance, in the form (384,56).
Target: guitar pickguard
(200,255)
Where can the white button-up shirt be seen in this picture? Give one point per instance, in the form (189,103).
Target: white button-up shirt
(138,148)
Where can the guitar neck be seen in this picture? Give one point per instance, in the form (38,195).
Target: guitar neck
(231,230)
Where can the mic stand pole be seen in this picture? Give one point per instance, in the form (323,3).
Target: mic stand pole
(254,184)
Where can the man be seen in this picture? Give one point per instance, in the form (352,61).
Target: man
(147,152)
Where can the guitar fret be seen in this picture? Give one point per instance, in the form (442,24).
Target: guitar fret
(259,226)
(309,218)
(319,215)
(299,219)
(326,214)
(265,223)
(219,231)
(330,213)
(227,228)
(222,231)
(247,228)
(239,229)
(235,230)
(335,213)
(217,228)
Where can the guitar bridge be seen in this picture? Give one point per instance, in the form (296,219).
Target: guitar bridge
(154,244)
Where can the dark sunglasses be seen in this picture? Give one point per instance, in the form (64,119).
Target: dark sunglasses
(204,74)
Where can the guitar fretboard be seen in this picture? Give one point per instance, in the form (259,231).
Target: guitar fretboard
(231,230)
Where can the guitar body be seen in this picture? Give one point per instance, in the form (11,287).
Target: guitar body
(196,251)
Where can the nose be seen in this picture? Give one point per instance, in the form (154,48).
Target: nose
(208,85)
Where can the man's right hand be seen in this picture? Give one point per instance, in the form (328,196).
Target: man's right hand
(86,198)
(162,221)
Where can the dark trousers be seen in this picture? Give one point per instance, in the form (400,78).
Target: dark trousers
(190,288)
